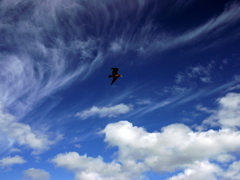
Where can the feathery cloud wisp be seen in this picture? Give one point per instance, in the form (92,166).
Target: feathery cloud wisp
(106,111)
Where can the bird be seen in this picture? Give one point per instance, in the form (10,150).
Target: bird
(114,75)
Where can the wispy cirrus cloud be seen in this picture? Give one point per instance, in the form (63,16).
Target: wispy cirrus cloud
(105,111)
(203,73)
(36,60)
(230,16)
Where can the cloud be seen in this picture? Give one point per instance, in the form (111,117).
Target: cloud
(204,109)
(13,150)
(223,158)
(94,168)
(9,161)
(144,101)
(199,171)
(36,174)
(203,73)
(77,145)
(228,114)
(230,16)
(106,111)
(176,146)
(23,133)
(37,62)
(233,171)
(207,170)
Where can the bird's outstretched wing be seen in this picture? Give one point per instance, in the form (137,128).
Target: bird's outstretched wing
(114,79)
(114,71)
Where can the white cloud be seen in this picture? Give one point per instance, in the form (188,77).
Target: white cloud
(203,73)
(228,114)
(106,111)
(144,101)
(23,133)
(234,87)
(176,146)
(180,77)
(229,16)
(199,171)
(206,170)
(233,172)
(77,145)
(94,168)
(9,161)
(204,109)
(14,150)
(223,158)
(36,174)
(116,46)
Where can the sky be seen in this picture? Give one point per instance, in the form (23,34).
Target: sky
(174,115)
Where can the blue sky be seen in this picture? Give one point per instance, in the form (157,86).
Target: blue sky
(174,115)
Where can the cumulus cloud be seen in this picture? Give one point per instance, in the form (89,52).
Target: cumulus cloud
(23,133)
(36,174)
(106,111)
(94,168)
(224,158)
(211,171)
(228,114)
(9,161)
(199,171)
(174,147)
(232,172)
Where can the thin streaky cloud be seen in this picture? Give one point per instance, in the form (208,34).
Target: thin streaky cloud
(230,15)
(106,111)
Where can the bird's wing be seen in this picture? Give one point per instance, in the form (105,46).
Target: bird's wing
(114,79)
(114,71)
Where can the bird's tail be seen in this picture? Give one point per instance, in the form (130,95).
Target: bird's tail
(109,76)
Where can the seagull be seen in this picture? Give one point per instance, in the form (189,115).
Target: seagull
(114,75)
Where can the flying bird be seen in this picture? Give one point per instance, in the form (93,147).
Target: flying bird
(114,75)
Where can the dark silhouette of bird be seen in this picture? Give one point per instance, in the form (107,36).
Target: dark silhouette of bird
(114,75)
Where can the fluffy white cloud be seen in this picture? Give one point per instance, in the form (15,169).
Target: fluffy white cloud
(176,146)
(228,114)
(106,111)
(9,161)
(199,171)
(94,168)
(23,133)
(233,172)
(223,158)
(36,174)
(206,170)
